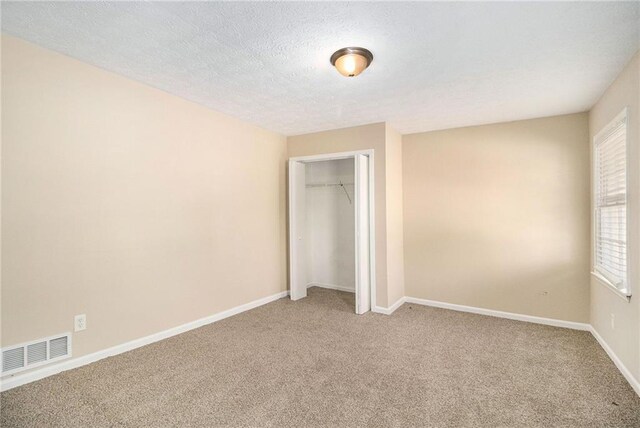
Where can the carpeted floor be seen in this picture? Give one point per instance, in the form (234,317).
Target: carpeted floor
(315,363)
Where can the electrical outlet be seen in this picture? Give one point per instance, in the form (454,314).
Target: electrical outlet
(613,321)
(80,322)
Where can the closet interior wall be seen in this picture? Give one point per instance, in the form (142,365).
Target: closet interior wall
(330,224)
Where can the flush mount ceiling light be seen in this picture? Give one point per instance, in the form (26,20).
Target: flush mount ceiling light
(351,61)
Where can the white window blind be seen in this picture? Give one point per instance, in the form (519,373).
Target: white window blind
(610,177)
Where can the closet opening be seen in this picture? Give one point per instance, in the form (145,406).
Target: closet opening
(331,225)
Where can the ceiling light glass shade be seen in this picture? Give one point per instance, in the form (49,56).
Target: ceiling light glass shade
(351,61)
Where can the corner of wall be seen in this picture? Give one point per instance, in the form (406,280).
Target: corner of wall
(395,228)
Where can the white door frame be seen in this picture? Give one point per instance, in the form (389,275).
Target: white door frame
(372,229)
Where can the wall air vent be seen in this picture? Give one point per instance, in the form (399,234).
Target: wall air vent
(35,353)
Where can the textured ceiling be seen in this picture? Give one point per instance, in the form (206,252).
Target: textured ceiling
(437,65)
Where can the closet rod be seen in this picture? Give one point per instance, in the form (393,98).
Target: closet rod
(340,184)
(329,184)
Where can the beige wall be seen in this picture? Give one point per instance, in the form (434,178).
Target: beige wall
(350,139)
(497,216)
(624,339)
(395,244)
(137,208)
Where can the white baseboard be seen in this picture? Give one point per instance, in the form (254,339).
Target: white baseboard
(533,319)
(40,373)
(331,287)
(619,364)
(391,309)
(509,315)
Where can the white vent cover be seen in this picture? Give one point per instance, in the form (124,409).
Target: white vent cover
(12,359)
(36,353)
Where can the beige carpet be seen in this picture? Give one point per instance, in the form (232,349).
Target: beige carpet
(315,363)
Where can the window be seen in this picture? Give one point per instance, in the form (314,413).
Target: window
(610,181)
